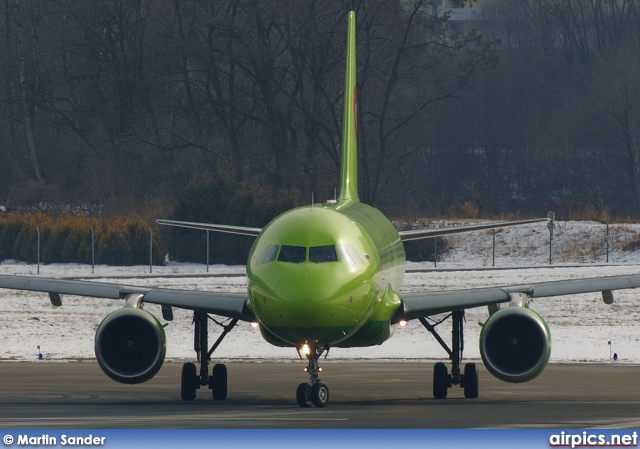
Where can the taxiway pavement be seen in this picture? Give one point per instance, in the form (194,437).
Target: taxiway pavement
(363,395)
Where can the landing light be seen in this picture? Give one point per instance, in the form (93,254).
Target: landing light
(254,324)
(402,323)
(305,349)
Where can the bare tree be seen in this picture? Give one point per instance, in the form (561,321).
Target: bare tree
(23,23)
(412,61)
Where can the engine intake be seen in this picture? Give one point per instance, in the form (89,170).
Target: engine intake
(515,344)
(130,345)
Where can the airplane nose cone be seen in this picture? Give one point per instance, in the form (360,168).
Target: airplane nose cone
(303,288)
(314,304)
(310,300)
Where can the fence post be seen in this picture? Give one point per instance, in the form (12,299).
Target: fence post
(551,225)
(150,250)
(38,231)
(435,252)
(493,259)
(607,242)
(93,250)
(207,250)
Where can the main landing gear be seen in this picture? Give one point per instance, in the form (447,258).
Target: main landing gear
(190,379)
(315,392)
(442,380)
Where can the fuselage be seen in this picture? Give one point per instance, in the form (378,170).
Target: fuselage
(326,275)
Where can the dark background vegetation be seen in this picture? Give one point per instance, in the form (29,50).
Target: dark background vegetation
(75,239)
(132,106)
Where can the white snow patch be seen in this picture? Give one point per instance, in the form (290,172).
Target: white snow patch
(581,325)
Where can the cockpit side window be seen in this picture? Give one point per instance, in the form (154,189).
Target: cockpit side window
(293,254)
(354,254)
(269,256)
(345,256)
(319,254)
(350,255)
(264,253)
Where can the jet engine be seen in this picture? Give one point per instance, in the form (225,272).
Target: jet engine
(130,345)
(515,344)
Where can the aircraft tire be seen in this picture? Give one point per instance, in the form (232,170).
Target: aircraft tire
(188,382)
(320,395)
(470,379)
(219,382)
(303,395)
(440,380)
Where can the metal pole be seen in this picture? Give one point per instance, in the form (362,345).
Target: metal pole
(38,231)
(150,251)
(551,225)
(207,251)
(93,250)
(607,242)
(493,261)
(435,252)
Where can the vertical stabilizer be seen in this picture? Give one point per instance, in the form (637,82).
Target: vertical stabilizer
(349,168)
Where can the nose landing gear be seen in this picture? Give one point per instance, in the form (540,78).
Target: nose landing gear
(315,392)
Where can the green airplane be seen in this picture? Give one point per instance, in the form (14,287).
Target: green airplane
(323,276)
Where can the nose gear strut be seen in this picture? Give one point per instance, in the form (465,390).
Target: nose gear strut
(315,392)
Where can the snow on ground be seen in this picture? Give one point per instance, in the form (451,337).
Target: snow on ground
(581,325)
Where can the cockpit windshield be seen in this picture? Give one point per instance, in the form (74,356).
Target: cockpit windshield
(293,254)
(319,254)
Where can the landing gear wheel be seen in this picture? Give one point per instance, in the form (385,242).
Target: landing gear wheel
(440,380)
(470,381)
(320,395)
(218,382)
(303,395)
(188,382)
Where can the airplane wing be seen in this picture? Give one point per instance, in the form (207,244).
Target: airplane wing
(232,305)
(242,230)
(428,233)
(416,305)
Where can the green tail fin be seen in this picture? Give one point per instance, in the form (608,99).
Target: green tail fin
(349,168)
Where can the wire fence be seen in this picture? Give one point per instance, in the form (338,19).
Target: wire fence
(559,243)
(92,248)
(565,243)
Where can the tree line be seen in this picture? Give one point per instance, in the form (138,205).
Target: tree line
(127,103)
(38,238)
(555,125)
(131,99)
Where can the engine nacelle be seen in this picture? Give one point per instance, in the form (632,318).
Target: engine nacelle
(130,345)
(515,344)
